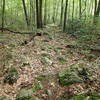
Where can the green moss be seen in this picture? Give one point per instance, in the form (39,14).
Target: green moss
(41,77)
(79,97)
(46,61)
(44,76)
(61,60)
(95,96)
(69,76)
(46,55)
(37,86)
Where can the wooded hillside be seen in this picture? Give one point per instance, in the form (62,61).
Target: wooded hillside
(49,49)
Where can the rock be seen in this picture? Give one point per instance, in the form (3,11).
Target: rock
(75,73)
(69,76)
(25,94)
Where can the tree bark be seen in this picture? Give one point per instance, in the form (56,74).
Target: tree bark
(25,12)
(62,8)
(3,12)
(97,11)
(65,15)
(39,13)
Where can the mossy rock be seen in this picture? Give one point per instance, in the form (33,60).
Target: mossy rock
(25,94)
(75,73)
(69,76)
(5,98)
(37,86)
(12,76)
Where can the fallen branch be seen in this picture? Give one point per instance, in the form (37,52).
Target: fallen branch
(17,32)
(81,47)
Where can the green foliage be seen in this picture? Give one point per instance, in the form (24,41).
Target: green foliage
(69,76)
(62,60)
(12,76)
(79,97)
(46,55)
(44,76)
(46,61)
(25,64)
(95,96)
(37,86)
(79,26)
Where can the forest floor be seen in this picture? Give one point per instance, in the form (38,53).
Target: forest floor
(40,61)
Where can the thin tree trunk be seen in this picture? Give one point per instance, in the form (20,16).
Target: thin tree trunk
(97,11)
(65,16)
(39,13)
(62,8)
(3,12)
(45,13)
(73,10)
(80,7)
(25,12)
(40,3)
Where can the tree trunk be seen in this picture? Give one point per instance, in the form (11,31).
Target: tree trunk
(39,13)
(25,11)
(62,8)
(3,12)
(65,16)
(80,7)
(97,11)
(73,10)
(40,3)
(45,13)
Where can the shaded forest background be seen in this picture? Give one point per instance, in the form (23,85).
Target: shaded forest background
(71,15)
